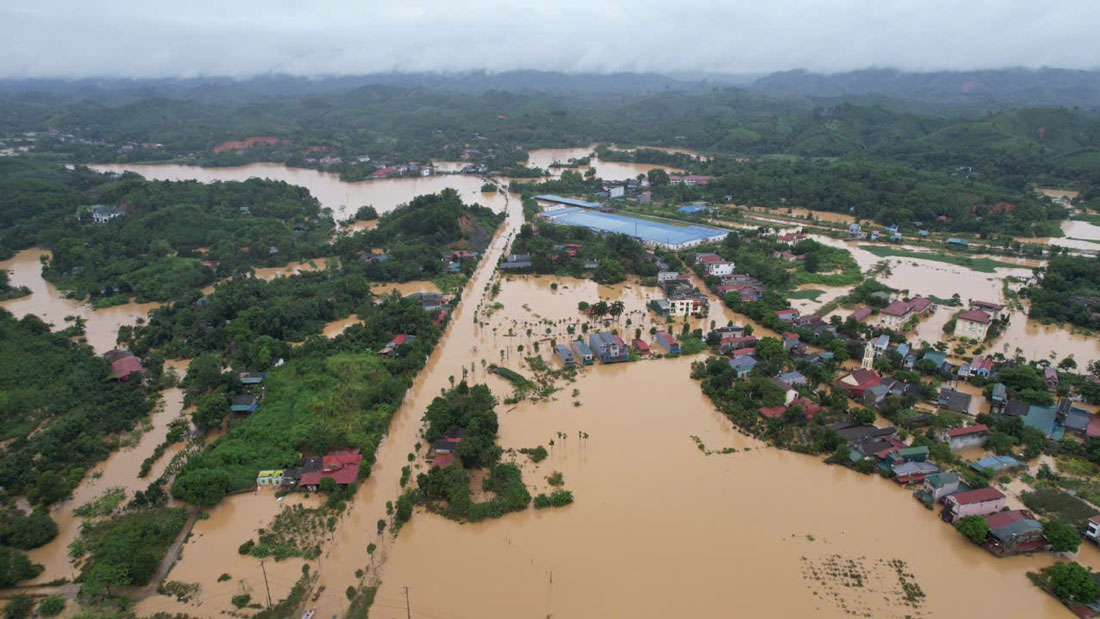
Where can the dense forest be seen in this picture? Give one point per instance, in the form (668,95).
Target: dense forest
(1069,291)
(60,417)
(884,155)
(171,237)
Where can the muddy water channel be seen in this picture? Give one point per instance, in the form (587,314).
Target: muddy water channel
(49,303)
(120,470)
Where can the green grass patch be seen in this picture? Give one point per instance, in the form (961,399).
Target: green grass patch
(131,545)
(312,405)
(981,265)
(809,294)
(1092,218)
(1057,505)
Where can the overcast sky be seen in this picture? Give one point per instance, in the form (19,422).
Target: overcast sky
(156,38)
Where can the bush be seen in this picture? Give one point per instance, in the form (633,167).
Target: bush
(1062,537)
(51,606)
(246,547)
(19,606)
(242,600)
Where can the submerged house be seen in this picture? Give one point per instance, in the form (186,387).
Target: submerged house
(341,466)
(124,365)
(582,352)
(979,502)
(963,438)
(1013,533)
(607,347)
(666,341)
(641,347)
(955,401)
(565,356)
(939,485)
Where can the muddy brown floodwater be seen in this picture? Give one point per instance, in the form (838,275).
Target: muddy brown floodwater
(120,470)
(343,198)
(50,304)
(706,536)
(659,528)
(607,170)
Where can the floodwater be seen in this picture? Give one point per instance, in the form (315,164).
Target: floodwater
(291,268)
(118,470)
(49,303)
(343,198)
(700,534)
(607,170)
(212,551)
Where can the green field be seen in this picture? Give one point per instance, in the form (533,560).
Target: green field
(982,265)
(810,294)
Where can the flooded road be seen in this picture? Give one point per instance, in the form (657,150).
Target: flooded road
(49,303)
(343,198)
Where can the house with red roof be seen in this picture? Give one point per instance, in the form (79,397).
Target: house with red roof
(772,412)
(858,381)
(979,502)
(393,347)
(973,324)
(641,347)
(993,309)
(340,466)
(442,461)
(963,438)
(860,314)
(788,315)
(126,367)
(727,344)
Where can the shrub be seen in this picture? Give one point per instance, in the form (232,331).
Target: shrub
(242,600)
(246,547)
(51,606)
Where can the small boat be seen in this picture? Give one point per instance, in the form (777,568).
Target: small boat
(309,613)
(318,593)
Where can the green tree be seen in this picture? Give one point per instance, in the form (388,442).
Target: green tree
(104,575)
(210,411)
(201,486)
(1072,582)
(1062,537)
(658,177)
(51,606)
(610,271)
(328,484)
(973,528)
(15,566)
(19,606)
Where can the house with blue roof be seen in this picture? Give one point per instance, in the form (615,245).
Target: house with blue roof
(743,364)
(692,209)
(1042,419)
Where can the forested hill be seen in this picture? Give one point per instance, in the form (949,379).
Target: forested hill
(988,89)
(362,128)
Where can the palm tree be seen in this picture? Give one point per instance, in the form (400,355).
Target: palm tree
(599,310)
(616,309)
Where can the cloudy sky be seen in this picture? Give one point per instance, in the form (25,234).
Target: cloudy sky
(143,38)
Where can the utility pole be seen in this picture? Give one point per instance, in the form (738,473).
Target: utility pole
(266,586)
(408,609)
